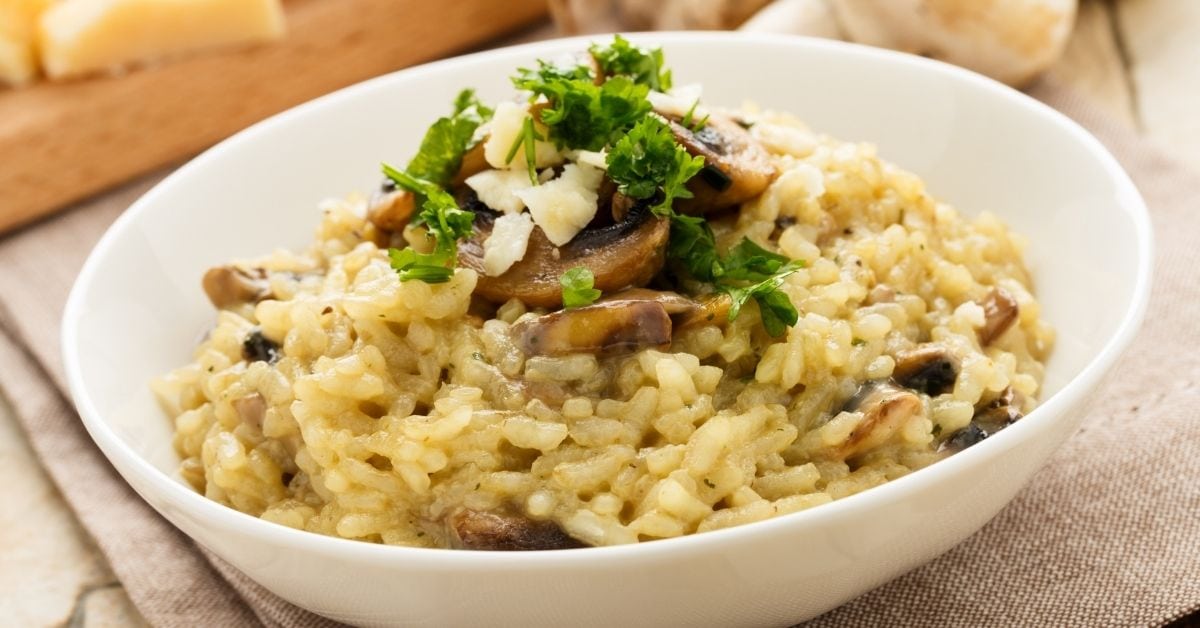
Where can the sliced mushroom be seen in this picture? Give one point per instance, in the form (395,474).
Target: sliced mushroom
(929,369)
(628,253)
(473,162)
(990,417)
(713,309)
(736,167)
(259,348)
(390,208)
(227,286)
(473,530)
(252,409)
(673,302)
(886,408)
(999,312)
(602,328)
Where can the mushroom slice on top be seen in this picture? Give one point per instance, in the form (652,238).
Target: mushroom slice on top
(928,368)
(886,408)
(227,286)
(673,302)
(390,208)
(474,530)
(601,328)
(627,253)
(737,168)
(1000,312)
(713,310)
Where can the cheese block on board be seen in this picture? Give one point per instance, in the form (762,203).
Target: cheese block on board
(18,56)
(84,36)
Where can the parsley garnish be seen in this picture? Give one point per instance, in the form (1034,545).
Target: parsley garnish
(581,114)
(577,287)
(624,59)
(446,223)
(528,138)
(648,161)
(441,152)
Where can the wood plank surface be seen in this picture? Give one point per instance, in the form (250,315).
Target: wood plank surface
(60,142)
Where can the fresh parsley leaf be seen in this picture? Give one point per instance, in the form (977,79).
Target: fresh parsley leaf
(624,59)
(577,287)
(750,262)
(440,154)
(647,160)
(527,138)
(692,244)
(427,267)
(775,307)
(581,114)
(447,223)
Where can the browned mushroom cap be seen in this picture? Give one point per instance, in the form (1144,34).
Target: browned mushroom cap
(673,302)
(737,168)
(602,328)
(928,368)
(628,253)
(885,409)
(473,162)
(999,312)
(492,531)
(990,417)
(227,286)
(390,208)
(713,310)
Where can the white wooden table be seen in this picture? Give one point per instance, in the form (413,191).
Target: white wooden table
(1140,58)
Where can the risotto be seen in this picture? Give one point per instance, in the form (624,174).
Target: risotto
(605,313)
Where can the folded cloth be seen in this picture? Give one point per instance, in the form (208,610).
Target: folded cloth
(1107,534)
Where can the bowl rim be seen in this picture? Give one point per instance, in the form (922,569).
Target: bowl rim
(218,516)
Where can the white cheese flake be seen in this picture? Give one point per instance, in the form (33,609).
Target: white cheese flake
(507,124)
(496,189)
(506,246)
(562,207)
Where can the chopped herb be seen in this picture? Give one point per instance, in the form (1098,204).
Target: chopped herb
(648,161)
(477,356)
(446,223)
(528,138)
(774,306)
(441,152)
(709,483)
(694,126)
(858,342)
(642,65)
(581,114)
(577,287)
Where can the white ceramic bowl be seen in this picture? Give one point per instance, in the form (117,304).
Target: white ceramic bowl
(137,310)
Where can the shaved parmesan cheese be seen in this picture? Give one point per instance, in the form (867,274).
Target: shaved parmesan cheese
(18,57)
(593,158)
(676,106)
(506,246)
(495,188)
(83,36)
(508,122)
(564,206)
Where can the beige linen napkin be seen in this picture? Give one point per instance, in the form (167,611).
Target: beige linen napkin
(1107,534)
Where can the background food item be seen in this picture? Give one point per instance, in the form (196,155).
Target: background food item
(78,137)
(1009,40)
(81,36)
(18,54)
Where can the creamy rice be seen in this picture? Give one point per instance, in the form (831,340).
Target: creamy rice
(391,407)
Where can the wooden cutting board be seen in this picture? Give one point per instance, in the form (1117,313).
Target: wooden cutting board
(60,142)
